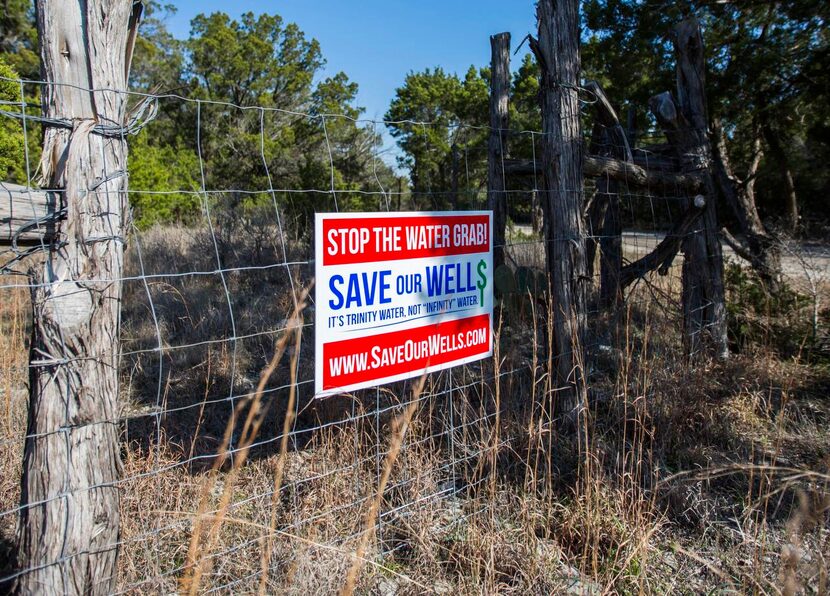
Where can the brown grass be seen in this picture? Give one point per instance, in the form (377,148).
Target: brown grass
(686,478)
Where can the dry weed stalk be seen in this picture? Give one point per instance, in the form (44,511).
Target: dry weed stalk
(280,467)
(198,555)
(201,415)
(399,427)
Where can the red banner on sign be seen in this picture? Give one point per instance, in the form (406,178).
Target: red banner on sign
(354,361)
(369,240)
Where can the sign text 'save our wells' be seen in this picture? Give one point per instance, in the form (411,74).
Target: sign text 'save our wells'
(398,294)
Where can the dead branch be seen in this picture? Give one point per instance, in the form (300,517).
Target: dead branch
(663,255)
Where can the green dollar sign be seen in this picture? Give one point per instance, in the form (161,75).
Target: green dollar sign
(482,282)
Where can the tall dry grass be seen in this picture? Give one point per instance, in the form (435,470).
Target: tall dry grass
(14,328)
(683,478)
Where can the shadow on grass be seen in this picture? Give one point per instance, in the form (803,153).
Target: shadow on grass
(7,563)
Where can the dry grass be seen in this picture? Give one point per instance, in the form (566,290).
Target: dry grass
(13,378)
(687,478)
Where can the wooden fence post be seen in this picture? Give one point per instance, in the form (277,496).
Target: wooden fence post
(455,174)
(497,143)
(686,126)
(557,52)
(69,518)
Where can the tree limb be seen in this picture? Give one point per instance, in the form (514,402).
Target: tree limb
(736,245)
(598,166)
(662,256)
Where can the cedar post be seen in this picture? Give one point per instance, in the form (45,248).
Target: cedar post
(454,182)
(69,517)
(557,51)
(686,126)
(497,143)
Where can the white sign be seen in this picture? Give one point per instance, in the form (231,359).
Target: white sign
(400,294)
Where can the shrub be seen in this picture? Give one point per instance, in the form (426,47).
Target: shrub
(164,170)
(756,317)
(12,141)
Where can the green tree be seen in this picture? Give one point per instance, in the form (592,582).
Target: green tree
(12,141)
(265,123)
(18,37)
(158,57)
(524,99)
(342,147)
(441,124)
(164,170)
(435,117)
(261,121)
(18,59)
(253,64)
(255,61)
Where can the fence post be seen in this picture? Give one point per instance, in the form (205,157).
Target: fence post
(497,144)
(454,156)
(686,125)
(69,518)
(557,51)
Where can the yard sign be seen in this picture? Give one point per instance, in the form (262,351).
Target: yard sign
(398,294)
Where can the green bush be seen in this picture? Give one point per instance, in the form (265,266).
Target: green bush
(756,317)
(164,170)
(12,141)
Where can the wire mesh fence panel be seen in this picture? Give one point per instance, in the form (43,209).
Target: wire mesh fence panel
(234,477)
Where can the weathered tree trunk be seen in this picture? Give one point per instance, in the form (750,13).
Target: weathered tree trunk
(69,519)
(454,182)
(761,249)
(608,208)
(704,311)
(662,257)
(557,51)
(776,150)
(497,143)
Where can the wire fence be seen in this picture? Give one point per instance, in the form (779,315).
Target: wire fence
(262,486)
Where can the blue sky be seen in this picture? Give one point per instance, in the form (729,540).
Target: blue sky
(377,42)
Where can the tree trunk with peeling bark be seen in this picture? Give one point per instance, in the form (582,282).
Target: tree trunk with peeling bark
(69,520)
(605,212)
(557,51)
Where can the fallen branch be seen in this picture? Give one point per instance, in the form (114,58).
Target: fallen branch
(634,175)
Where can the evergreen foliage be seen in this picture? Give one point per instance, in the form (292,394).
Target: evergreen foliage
(264,120)
(768,86)
(12,165)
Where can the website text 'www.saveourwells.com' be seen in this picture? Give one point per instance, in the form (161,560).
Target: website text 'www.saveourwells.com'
(405,351)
